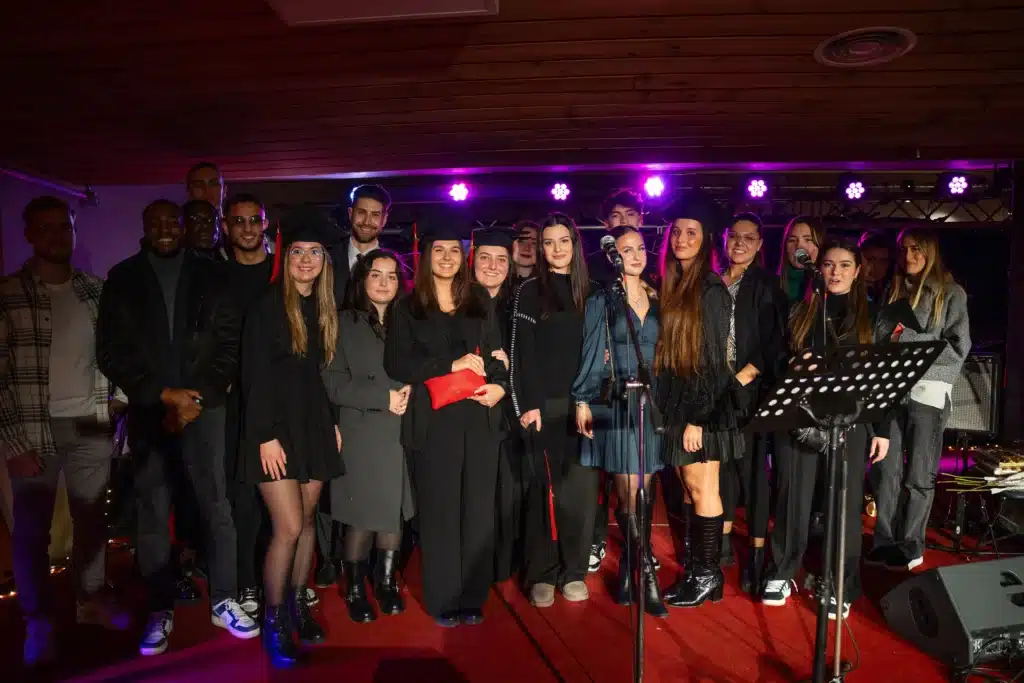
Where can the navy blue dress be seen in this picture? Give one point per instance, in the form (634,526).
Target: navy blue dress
(614,446)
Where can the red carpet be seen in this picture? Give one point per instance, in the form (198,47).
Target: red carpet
(735,640)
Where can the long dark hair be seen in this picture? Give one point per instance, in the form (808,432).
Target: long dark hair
(464,293)
(579,278)
(682,336)
(806,312)
(357,300)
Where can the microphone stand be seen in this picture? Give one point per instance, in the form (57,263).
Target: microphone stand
(639,386)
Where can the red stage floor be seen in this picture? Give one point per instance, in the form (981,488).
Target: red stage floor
(735,640)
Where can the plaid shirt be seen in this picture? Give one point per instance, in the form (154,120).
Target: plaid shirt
(25,336)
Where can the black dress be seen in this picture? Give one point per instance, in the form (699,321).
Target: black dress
(284,395)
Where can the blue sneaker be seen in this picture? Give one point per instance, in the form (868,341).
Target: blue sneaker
(229,615)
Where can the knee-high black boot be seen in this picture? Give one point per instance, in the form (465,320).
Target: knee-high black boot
(385,583)
(684,555)
(704,580)
(359,608)
(653,604)
(624,582)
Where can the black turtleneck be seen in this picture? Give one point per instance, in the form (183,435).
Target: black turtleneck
(547,340)
(168,271)
(837,311)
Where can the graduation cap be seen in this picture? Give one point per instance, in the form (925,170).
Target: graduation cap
(428,234)
(303,224)
(699,207)
(490,237)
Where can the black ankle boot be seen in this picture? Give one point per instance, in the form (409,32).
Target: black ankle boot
(359,608)
(624,582)
(308,631)
(704,580)
(653,604)
(385,583)
(751,580)
(277,637)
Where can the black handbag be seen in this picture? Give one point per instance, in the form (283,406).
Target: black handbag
(609,385)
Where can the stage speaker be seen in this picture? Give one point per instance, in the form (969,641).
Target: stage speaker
(975,400)
(961,615)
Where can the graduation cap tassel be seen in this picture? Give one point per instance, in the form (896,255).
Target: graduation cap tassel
(415,250)
(275,272)
(551,498)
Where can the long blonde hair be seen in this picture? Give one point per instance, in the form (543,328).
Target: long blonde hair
(934,273)
(327,312)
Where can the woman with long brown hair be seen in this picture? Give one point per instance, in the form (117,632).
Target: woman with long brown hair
(444,326)
(290,438)
(940,308)
(693,382)
(803,232)
(845,319)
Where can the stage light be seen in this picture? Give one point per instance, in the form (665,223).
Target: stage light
(854,190)
(958,185)
(560,192)
(757,188)
(459,192)
(654,186)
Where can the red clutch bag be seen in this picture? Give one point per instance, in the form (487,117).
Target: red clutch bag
(453,387)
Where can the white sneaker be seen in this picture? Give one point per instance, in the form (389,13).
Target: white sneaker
(777,592)
(102,611)
(597,553)
(40,647)
(542,595)
(229,615)
(249,600)
(832,609)
(158,630)
(575,591)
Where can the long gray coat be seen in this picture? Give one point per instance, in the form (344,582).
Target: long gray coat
(374,494)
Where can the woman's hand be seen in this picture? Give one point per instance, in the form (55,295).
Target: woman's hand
(879,449)
(693,438)
(500,355)
(273,458)
(488,395)
(337,437)
(747,375)
(470,361)
(398,401)
(531,417)
(584,420)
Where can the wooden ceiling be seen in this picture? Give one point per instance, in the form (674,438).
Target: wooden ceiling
(131,92)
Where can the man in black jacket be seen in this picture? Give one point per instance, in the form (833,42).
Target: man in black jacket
(168,335)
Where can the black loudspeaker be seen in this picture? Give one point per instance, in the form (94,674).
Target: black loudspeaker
(975,400)
(961,615)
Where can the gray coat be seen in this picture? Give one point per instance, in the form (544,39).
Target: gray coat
(374,494)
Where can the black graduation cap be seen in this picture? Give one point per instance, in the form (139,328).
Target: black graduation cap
(493,237)
(699,207)
(439,232)
(308,224)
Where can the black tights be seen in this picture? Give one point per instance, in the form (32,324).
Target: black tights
(290,554)
(357,543)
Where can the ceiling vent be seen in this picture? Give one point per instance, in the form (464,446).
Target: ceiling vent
(313,12)
(865,47)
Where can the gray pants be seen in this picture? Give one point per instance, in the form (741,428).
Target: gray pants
(904,495)
(83,454)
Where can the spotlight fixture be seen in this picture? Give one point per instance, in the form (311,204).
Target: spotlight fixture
(560,192)
(757,188)
(851,188)
(958,185)
(654,186)
(459,192)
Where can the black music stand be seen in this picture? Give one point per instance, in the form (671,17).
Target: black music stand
(833,390)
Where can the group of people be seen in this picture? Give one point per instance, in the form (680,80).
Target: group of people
(483,406)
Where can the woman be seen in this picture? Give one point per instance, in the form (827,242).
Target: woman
(803,232)
(292,443)
(609,358)
(547,337)
(374,497)
(940,307)
(757,333)
(445,326)
(694,380)
(847,321)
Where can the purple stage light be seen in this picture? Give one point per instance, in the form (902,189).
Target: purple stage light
(654,186)
(757,188)
(958,184)
(459,192)
(560,192)
(855,190)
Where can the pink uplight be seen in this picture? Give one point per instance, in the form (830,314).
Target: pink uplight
(459,192)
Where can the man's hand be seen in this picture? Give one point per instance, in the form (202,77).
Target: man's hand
(116,408)
(186,402)
(879,449)
(28,464)
(531,417)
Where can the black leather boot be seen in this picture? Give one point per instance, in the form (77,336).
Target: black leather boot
(726,557)
(752,578)
(624,582)
(277,637)
(683,556)
(308,631)
(385,583)
(359,608)
(704,580)
(653,604)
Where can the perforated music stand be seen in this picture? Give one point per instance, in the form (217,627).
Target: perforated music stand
(833,390)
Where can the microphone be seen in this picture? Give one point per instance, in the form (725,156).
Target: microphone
(608,247)
(803,259)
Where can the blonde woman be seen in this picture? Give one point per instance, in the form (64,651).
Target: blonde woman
(290,436)
(940,306)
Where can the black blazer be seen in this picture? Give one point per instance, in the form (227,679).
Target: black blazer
(760,312)
(134,345)
(342,273)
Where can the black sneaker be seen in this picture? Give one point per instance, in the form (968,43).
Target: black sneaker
(597,553)
(900,561)
(776,592)
(249,600)
(880,555)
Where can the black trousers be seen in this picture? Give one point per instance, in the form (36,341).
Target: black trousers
(455,476)
(508,528)
(201,446)
(797,471)
(575,488)
(904,494)
(746,479)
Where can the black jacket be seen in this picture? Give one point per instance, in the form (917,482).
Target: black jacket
(760,312)
(134,345)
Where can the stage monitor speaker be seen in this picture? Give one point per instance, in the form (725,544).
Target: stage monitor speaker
(976,392)
(961,615)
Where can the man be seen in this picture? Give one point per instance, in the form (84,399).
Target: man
(248,275)
(876,250)
(168,335)
(202,233)
(623,207)
(55,409)
(204,181)
(524,249)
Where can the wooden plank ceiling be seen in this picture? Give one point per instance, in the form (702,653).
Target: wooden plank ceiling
(129,92)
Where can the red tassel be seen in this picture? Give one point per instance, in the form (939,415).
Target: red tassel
(551,498)
(601,489)
(275,272)
(415,250)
